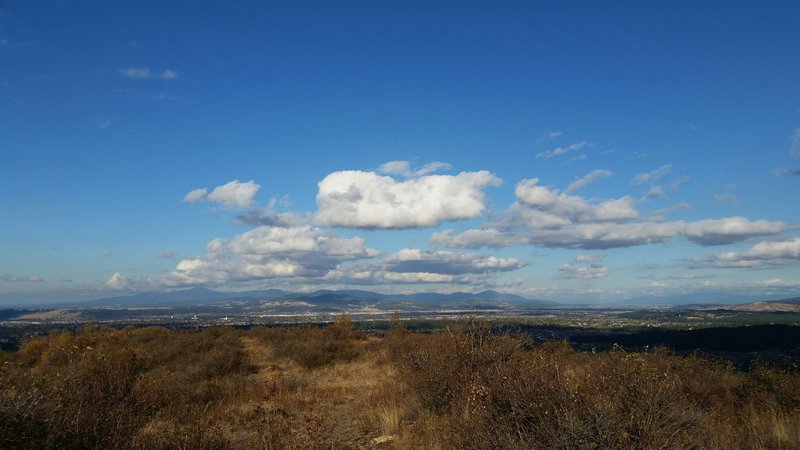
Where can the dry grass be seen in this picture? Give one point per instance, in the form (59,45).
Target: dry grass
(336,388)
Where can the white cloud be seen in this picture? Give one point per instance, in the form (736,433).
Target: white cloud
(728,230)
(403,168)
(117,281)
(655,192)
(571,207)
(270,241)
(144,73)
(657,214)
(546,217)
(381,277)
(779,282)
(490,238)
(558,151)
(167,254)
(426,266)
(590,272)
(21,278)
(726,197)
(311,255)
(396,168)
(599,236)
(637,155)
(653,176)
(415,260)
(588,179)
(136,72)
(592,258)
(196,195)
(367,200)
(234,193)
(534,218)
(597,290)
(432,167)
(268,216)
(552,134)
(781,172)
(267,253)
(676,183)
(764,253)
(794,151)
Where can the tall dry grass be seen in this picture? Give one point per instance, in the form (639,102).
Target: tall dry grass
(489,391)
(335,387)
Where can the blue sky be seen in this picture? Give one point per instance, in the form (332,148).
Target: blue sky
(574,151)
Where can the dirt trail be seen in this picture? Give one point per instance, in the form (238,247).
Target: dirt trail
(260,355)
(333,404)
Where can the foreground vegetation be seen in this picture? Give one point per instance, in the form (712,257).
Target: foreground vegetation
(336,387)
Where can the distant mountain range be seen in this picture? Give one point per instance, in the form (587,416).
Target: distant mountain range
(785,305)
(698,299)
(318,300)
(206,302)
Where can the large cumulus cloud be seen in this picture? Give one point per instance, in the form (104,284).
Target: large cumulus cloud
(359,199)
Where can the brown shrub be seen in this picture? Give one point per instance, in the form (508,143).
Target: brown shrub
(98,387)
(315,347)
(492,391)
(466,387)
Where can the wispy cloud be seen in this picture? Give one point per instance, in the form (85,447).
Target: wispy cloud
(552,134)
(196,195)
(637,155)
(167,254)
(762,254)
(590,258)
(726,197)
(21,278)
(548,135)
(558,151)
(590,272)
(588,179)
(4,42)
(102,123)
(234,193)
(144,73)
(652,176)
(781,172)
(403,168)
(655,192)
(779,282)
(136,72)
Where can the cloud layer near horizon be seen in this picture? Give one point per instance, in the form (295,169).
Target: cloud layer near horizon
(292,247)
(544,216)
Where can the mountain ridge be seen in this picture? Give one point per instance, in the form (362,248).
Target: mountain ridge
(205,296)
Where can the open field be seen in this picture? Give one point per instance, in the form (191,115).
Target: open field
(466,385)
